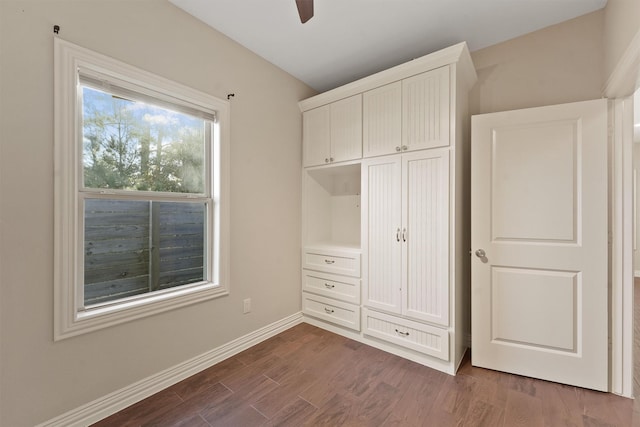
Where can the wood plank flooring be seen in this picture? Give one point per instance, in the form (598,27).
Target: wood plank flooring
(306,376)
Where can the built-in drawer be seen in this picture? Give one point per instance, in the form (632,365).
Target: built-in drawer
(333,286)
(331,261)
(416,336)
(338,312)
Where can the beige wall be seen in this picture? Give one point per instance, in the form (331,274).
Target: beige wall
(621,24)
(636,167)
(39,378)
(558,64)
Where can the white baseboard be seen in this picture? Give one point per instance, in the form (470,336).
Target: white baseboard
(110,404)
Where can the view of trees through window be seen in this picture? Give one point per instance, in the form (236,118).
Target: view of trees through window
(135,245)
(130,145)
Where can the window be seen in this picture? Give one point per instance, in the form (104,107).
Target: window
(140,193)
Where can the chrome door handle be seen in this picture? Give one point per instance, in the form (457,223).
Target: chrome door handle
(398,235)
(480,253)
(404,234)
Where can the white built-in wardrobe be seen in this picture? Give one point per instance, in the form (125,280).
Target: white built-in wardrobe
(385,239)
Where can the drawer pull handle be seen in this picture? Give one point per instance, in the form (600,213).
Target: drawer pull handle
(329,261)
(328,310)
(404,334)
(328,286)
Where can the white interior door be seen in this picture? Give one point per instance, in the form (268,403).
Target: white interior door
(539,237)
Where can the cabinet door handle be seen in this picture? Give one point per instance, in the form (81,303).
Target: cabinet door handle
(404,334)
(328,310)
(331,159)
(404,234)
(328,286)
(326,160)
(398,148)
(398,234)
(405,148)
(329,261)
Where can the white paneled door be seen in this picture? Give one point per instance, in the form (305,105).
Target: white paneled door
(539,243)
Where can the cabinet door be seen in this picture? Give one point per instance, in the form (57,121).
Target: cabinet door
(381,233)
(425,249)
(316,136)
(425,110)
(346,129)
(382,120)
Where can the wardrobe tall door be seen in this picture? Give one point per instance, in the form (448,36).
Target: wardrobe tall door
(381,233)
(425,110)
(382,120)
(346,129)
(425,188)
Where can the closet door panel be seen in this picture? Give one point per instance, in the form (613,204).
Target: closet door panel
(382,233)
(346,129)
(425,187)
(425,110)
(382,120)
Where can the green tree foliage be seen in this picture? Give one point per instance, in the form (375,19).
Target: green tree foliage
(134,146)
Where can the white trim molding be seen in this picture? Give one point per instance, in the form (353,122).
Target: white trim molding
(621,226)
(620,86)
(71,317)
(453,54)
(101,408)
(625,78)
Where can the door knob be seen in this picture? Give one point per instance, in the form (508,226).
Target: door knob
(480,253)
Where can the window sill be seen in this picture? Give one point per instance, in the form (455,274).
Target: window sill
(100,317)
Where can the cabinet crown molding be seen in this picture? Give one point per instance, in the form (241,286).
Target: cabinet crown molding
(457,54)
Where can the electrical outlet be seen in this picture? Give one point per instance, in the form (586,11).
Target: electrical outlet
(247,305)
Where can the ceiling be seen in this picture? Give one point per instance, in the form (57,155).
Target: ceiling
(350,39)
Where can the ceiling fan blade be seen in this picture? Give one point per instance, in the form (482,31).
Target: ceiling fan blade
(305,9)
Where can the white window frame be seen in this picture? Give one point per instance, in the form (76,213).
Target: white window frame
(70,316)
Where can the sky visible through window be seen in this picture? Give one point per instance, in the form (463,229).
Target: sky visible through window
(131,145)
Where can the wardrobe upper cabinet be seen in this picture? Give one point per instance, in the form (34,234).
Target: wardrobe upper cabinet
(425,110)
(316,136)
(411,114)
(333,132)
(382,120)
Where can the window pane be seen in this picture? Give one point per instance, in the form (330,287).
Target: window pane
(137,247)
(181,243)
(131,145)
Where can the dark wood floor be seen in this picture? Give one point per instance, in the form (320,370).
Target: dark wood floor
(308,376)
